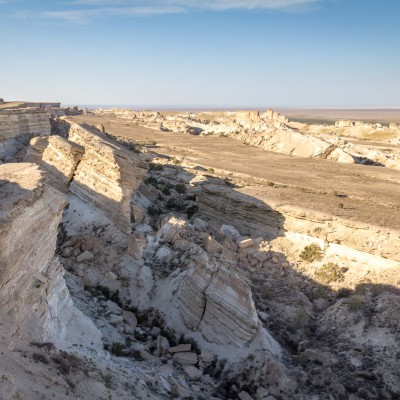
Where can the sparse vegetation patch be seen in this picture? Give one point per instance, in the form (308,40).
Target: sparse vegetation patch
(311,253)
(330,272)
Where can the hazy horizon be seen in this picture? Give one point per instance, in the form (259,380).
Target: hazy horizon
(225,53)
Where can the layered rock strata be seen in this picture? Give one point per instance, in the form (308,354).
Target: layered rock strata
(256,218)
(17,126)
(107,175)
(57,156)
(35,303)
(214,298)
(250,215)
(268,130)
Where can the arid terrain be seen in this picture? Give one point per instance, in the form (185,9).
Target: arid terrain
(329,116)
(205,255)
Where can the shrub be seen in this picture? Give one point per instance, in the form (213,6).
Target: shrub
(151,180)
(165,190)
(211,170)
(175,161)
(343,293)
(153,211)
(66,361)
(311,253)
(330,273)
(354,303)
(271,184)
(156,167)
(40,358)
(301,319)
(190,211)
(180,188)
(117,349)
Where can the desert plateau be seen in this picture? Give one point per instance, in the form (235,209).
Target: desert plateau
(206,255)
(199,200)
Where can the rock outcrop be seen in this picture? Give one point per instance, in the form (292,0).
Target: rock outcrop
(107,175)
(35,303)
(230,314)
(268,130)
(17,126)
(214,298)
(251,216)
(59,157)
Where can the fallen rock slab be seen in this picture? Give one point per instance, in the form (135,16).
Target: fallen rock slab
(185,358)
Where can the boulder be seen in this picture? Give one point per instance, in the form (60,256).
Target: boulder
(192,372)
(130,319)
(185,358)
(244,396)
(162,345)
(114,308)
(85,256)
(215,300)
(181,348)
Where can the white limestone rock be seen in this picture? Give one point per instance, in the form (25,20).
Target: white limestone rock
(35,302)
(59,157)
(216,301)
(185,358)
(107,175)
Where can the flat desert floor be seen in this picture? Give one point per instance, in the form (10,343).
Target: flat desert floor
(355,192)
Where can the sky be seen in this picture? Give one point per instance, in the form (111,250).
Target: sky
(215,53)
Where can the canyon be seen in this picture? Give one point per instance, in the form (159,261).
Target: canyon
(211,255)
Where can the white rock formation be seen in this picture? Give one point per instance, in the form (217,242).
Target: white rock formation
(17,126)
(107,175)
(57,156)
(216,301)
(34,301)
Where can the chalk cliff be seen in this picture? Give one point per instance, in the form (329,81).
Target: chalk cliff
(59,157)
(33,295)
(106,175)
(17,126)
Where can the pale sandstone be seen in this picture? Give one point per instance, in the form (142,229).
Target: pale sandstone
(185,358)
(17,126)
(107,175)
(216,301)
(59,157)
(35,302)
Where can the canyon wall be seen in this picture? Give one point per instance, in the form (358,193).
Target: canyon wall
(254,217)
(33,293)
(106,175)
(17,126)
(59,157)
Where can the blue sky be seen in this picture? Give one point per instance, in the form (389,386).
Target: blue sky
(242,53)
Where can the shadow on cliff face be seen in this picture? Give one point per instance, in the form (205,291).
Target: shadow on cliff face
(331,335)
(25,207)
(339,338)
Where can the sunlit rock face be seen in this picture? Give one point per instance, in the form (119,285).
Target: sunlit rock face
(107,175)
(34,301)
(63,324)
(59,157)
(216,301)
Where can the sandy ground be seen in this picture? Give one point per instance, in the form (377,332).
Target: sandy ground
(356,192)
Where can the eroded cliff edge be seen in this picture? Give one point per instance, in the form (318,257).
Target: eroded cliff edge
(197,286)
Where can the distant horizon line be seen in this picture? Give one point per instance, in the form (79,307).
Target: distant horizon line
(182,107)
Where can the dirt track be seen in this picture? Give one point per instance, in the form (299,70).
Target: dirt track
(363,193)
